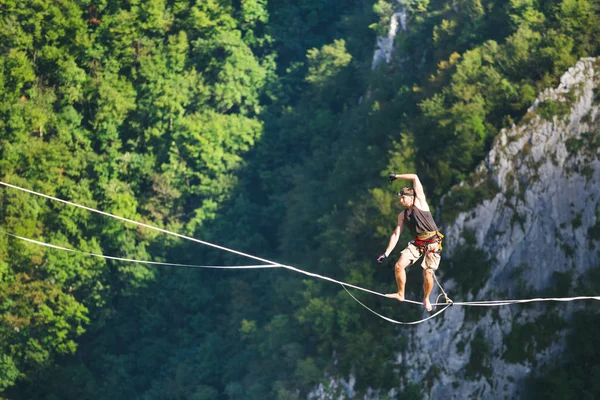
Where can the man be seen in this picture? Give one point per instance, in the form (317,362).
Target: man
(427,239)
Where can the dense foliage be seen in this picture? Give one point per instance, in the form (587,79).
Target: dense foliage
(255,124)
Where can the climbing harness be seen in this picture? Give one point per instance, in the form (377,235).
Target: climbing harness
(425,239)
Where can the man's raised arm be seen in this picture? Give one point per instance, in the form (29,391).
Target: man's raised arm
(420,199)
(416,184)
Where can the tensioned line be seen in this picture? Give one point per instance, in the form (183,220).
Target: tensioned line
(271,264)
(209,267)
(85,253)
(196,240)
(490,303)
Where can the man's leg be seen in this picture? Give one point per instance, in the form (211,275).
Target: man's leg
(400,273)
(427,287)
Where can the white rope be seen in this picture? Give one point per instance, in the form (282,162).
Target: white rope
(393,320)
(272,264)
(139,224)
(197,240)
(448,299)
(202,266)
(138,261)
(490,303)
(494,303)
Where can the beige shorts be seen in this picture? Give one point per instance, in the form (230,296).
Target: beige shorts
(431,260)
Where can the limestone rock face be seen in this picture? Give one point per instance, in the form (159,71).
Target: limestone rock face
(537,226)
(385,44)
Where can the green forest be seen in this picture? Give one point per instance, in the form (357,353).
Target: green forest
(258,125)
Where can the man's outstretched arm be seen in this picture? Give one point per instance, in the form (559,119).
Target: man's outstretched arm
(393,239)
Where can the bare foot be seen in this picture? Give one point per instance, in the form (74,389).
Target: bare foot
(397,296)
(427,304)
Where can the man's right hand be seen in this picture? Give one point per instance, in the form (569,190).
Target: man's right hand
(381,259)
(391,177)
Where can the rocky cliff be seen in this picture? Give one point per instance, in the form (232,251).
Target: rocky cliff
(538,231)
(535,234)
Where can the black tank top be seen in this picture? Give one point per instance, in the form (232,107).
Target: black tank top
(419,221)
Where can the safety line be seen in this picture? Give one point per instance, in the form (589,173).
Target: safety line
(489,303)
(448,300)
(197,240)
(138,223)
(393,320)
(272,264)
(494,303)
(137,261)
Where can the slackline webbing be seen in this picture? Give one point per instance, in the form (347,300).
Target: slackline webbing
(393,320)
(85,253)
(272,264)
(197,240)
(203,266)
